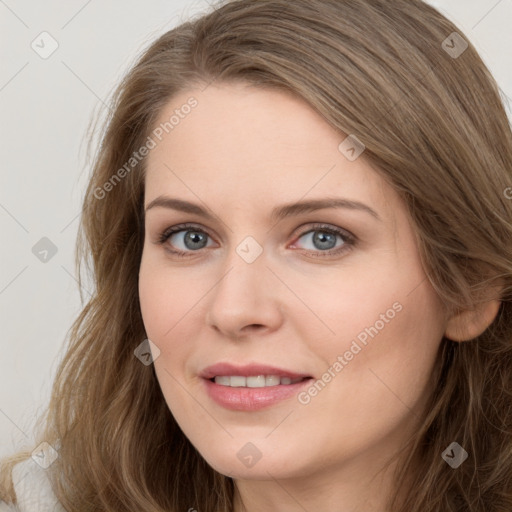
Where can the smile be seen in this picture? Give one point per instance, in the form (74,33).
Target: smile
(257,381)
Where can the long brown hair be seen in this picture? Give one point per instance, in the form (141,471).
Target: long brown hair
(430,115)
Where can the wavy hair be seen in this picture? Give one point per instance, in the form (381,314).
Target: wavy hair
(433,122)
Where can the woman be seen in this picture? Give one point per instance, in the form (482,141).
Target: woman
(341,337)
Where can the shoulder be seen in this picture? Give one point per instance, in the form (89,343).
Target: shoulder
(33,490)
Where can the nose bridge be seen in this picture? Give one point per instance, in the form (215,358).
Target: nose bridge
(246,280)
(244,295)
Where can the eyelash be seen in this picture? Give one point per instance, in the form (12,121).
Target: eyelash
(348,239)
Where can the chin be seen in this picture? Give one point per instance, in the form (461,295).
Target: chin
(245,463)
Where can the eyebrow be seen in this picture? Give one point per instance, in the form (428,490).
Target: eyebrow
(278,213)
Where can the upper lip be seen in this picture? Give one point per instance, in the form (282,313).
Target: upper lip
(228,369)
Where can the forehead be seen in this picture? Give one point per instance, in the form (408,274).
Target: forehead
(243,142)
(235,119)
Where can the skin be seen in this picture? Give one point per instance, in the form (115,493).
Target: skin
(241,152)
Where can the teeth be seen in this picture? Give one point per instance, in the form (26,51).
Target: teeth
(272,380)
(237,382)
(223,381)
(256,381)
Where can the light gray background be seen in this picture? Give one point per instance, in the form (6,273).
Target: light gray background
(46,106)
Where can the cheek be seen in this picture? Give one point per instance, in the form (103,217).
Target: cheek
(386,325)
(166,296)
(164,305)
(171,308)
(387,360)
(360,303)
(154,302)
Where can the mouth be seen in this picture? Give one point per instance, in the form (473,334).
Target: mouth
(252,386)
(250,375)
(255,381)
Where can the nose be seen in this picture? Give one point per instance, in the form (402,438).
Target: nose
(246,300)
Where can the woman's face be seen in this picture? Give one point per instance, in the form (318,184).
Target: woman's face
(333,293)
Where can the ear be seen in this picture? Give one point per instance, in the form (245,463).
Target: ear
(468,324)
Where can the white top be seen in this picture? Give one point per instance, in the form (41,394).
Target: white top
(33,490)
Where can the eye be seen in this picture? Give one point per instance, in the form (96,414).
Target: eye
(327,240)
(324,240)
(188,236)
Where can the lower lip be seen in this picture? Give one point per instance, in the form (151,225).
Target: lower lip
(252,399)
